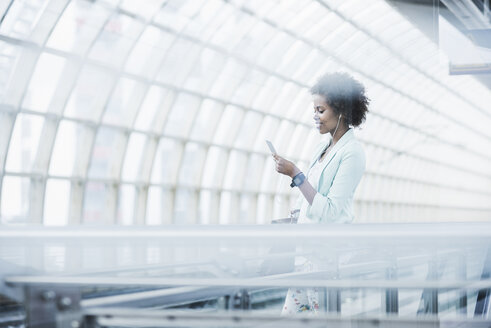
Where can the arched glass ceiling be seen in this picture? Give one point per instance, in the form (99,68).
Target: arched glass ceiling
(131,112)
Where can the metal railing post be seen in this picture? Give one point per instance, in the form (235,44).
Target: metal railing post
(462,273)
(334,300)
(483,303)
(241,300)
(52,307)
(429,297)
(391,294)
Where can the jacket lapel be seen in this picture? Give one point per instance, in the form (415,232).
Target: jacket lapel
(344,139)
(317,154)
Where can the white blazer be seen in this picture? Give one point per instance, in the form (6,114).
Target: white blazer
(341,173)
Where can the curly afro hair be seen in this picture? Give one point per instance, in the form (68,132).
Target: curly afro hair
(344,95)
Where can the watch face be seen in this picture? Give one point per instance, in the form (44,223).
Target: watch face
(298,179)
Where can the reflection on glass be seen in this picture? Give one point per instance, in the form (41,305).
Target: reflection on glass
(107,153)
(154,109)
(247,209)
(182,115)
(147,54)
(154,206)
(78,26)
(69,143)
(205,71)
(236,167)
(167,161)
(208,207)
(229,207)
(15,199)
(57,202)
(215,164)
(192,165)
(124,102)
(263,100)
(115,40)
(133,157)
(176,14)
(126,205)
(229,126)
(99,204)
(44,82)
(264,209)
(8,54)
(21,18)
(231,75)
(6,125)
(24,143)
(145,9)
(247,131)
(206,120)
(186,204)
(248,89)
(90,94)
(268,130)
(254,170)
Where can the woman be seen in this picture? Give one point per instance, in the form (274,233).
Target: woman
(334,172)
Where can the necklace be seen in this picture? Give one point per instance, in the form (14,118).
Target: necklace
(324,151)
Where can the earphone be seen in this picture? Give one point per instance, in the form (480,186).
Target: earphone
(337,125)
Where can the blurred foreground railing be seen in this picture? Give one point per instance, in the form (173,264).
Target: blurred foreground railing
(230,276)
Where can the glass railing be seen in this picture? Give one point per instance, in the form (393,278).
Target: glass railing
(229,276)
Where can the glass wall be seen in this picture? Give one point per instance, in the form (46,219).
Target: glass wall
(128,112)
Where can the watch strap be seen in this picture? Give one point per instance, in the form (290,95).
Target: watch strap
(297,180)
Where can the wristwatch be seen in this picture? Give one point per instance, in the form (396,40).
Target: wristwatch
(297,180)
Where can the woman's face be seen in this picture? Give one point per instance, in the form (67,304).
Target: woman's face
(324,116)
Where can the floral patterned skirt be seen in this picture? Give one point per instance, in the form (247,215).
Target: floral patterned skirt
(301,300)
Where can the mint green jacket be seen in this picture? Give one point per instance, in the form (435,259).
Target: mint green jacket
(342,170)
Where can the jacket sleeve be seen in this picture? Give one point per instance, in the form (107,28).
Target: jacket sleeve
(328,208)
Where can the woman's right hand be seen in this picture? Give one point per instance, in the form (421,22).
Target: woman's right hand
(285,167)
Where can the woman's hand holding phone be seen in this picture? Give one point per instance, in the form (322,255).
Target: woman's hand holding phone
(283,166)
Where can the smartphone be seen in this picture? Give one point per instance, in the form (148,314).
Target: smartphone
(271,147)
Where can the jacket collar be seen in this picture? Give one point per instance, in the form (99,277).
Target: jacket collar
(347,136)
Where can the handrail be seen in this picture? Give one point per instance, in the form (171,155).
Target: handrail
(231,319)
(281,231)
(141,268)
(172,295)
(248,282)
